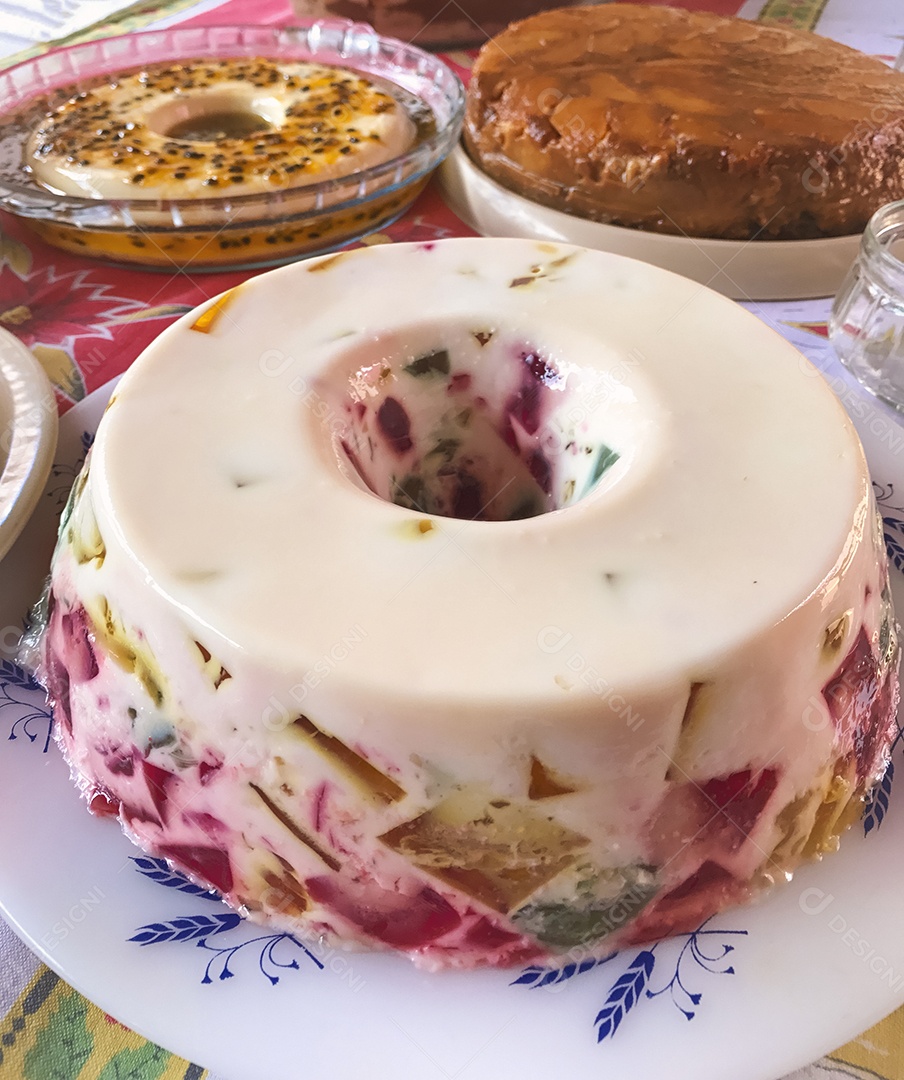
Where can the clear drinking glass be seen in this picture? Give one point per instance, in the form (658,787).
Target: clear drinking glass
(867,325)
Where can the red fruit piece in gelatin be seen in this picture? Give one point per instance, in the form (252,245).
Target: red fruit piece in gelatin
(849,695)
(404,922)
(120,764)
(469,500)
(541,471)
(80,658)
(861,709)
(158,781)
(527,403)
(207,769)
(741,797)
(715,816)
(206,823)
(524,407)
(872,739)
(103,804)
(459,383)
(393,421)
(485,934)
(58,689)
(208,864)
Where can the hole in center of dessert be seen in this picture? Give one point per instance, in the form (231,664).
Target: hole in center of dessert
(477,425)
(211,127)
(213,117)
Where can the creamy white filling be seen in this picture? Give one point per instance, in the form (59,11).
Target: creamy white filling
(74,166)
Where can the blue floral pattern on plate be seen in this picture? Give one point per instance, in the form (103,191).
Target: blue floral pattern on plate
(276,953)
(878,799)
(66,472)
(22,701)
(633,986)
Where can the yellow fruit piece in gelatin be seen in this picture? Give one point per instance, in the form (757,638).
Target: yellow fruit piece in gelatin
(496,851)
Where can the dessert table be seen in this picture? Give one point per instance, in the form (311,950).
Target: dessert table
(86,322)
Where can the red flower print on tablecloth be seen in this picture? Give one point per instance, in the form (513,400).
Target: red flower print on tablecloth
(87,321)
(429,219)
(51,312)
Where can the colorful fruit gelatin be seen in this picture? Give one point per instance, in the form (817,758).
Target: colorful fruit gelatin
(487,600)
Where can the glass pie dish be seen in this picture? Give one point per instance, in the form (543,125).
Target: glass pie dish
(228,231)
(28,436)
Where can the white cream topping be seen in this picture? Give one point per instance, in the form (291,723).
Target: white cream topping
(739,478)
(317,123)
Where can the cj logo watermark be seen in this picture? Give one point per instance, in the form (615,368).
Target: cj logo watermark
(10,638)
(278,714)
(815,901)
(552,640)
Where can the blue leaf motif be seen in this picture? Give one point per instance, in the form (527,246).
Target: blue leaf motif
(529,976)
(186,928)
(879,797)
(552,977)
(277,952)
(20,693)
(624,994)
(536,977)
(895,549)
(13,675)
(877,806)
(158,870)
(707,949)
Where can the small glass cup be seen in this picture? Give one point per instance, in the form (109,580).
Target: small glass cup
(867,324)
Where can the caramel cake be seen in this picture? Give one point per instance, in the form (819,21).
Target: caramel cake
(485,636)
(688,123)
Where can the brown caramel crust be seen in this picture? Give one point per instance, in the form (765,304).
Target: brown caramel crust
(688,123)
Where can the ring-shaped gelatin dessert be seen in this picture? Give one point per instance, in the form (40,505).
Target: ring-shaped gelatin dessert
(485,600)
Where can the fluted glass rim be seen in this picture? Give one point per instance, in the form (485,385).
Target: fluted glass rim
(883,228)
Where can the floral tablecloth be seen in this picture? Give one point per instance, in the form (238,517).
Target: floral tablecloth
(86,323)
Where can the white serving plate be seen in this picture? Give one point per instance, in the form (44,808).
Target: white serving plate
(28,434)
(740,269)
(780,983)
